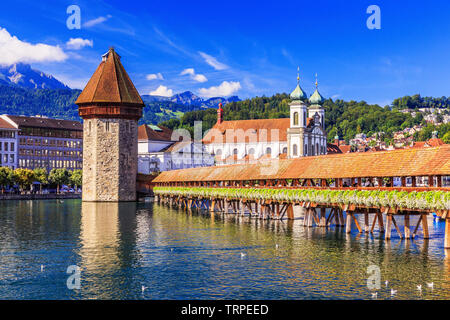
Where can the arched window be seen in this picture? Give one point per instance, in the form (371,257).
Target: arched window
(235,151)
(251,151)
(306,150)
(317,148)
(304,119)
(269,151)
(294,150)
(218,152)
(295,118)
(285,150)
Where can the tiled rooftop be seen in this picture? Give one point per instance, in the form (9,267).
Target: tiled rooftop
(405,162)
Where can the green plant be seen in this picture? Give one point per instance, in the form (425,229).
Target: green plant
(434,200)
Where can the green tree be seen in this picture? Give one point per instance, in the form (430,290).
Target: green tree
(446,138)
(59,177)
(6,174)
(23,177)
(76,178)
(41,176)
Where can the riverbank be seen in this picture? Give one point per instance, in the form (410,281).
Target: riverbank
(40,196)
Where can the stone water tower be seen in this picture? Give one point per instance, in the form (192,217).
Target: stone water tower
(110,107)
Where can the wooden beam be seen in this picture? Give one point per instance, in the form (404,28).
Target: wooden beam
(387,236)
(357,224)
(374,222)
(417,227)
(348,226)
(366,221)
(397,228)
(407,227)
(424,219)
(447,234)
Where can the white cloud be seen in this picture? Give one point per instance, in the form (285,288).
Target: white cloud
(213,61)
(162,91)
(13,50)
(96,21)
(194,76)
(223,90)
(155,76)
(78,43)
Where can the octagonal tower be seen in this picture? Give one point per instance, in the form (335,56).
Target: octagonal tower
(110,106)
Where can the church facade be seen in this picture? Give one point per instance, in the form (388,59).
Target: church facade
(245,141)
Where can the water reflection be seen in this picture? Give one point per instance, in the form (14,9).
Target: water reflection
(121,247)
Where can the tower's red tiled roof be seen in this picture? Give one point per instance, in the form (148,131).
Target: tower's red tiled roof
(398,163)
(110,83)
(270,130)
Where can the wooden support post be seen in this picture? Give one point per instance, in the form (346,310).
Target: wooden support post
(290,211)
(397,228)
(323,220)
(380,222)
(366,222)
(447,234)
(212,205)
(424,219)
(341,217)
(348,227)
(407,227)
(374,222)
(356,223)
(310,217)
(387,236)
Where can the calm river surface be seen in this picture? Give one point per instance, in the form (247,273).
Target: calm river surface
(176,255)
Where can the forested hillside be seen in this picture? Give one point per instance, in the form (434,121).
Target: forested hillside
(342,118)
(60,103)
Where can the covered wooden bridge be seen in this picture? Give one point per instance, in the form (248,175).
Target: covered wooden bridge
(382,186)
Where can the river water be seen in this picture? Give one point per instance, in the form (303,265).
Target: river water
(121,248)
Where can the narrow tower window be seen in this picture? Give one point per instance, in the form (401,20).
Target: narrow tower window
(107,126)
(295,118)
(294,150)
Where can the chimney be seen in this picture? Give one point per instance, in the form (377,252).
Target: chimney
(220,114)
(336,140)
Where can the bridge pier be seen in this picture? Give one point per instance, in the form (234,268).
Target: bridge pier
(447,234)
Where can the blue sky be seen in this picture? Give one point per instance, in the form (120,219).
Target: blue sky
(243,48)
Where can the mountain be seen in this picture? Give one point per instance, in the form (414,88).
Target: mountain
(188,98)
(22,75)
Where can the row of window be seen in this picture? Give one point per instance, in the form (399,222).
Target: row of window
(7,134)
(7,158)
(50,142)
(7,146)
(37,163)
(55,133)
(50,153)
(251,151)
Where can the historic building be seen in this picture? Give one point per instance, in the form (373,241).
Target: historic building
(110,106)
(159,150)
(8,144)
(40,142)
(302,134)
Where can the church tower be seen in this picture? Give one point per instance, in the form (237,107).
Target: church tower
(316,100)
(110,106)
(298,119)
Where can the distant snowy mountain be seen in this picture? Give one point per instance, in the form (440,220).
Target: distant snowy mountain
(188,98)
(22,75)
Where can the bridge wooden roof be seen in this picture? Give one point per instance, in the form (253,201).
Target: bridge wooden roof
(398,163)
